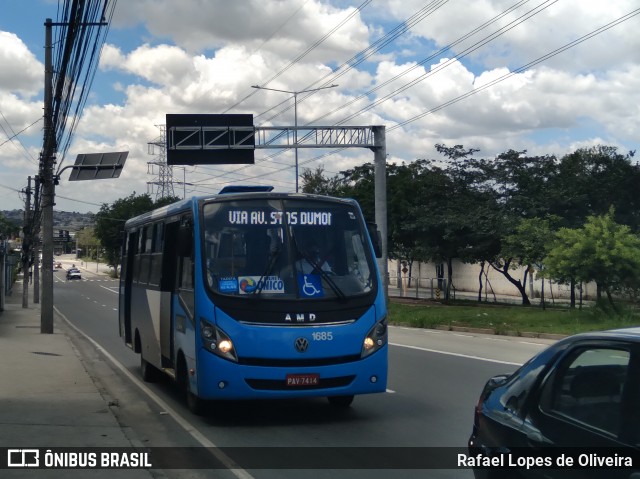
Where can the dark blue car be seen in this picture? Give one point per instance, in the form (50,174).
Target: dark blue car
(578,400)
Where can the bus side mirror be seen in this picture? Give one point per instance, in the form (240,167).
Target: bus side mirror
(376,239)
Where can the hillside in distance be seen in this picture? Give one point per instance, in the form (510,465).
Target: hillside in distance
(63,220)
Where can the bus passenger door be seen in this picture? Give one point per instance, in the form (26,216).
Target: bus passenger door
(126,275)
(184,300)
(169,269)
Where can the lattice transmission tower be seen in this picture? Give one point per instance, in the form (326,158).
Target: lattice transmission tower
(162,185)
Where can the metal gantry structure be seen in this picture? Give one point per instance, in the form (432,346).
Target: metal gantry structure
(162,184)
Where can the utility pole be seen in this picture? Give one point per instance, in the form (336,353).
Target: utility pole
(295,115)
(48,187)
(36,244)
(27,229)
(380,187)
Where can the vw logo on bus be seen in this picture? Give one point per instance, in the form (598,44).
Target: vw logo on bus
(301,344)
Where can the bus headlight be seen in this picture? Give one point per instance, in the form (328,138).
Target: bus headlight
(375,338)
(217,341)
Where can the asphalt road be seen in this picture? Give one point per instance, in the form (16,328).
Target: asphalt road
(435,378)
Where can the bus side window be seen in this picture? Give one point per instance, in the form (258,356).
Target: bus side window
(156,254)
(185,280)
(137,261)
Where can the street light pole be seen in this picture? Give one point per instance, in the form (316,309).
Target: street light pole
(295,115)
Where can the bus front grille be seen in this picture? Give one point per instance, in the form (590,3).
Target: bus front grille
(281,384)
(298,362)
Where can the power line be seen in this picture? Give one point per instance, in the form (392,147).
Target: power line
(466,52)
(280,27)
(81,36)
(305,53)
(21,131)
(541,59)
(13,136)
(372,49)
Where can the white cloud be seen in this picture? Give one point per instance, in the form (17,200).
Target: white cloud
(20,73)
(206,25)
(556,24)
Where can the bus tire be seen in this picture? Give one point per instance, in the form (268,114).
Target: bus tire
(194,403)
(340,402)
(150,373)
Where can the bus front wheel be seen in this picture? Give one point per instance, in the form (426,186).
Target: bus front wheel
(194,403)
(341,402)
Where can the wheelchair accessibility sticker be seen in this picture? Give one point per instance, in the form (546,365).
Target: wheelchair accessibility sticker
(310,285)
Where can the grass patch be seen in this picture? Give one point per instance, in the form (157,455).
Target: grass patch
(508,319)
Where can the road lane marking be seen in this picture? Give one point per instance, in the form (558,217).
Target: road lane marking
(186,425)
(460,355)
(109,289)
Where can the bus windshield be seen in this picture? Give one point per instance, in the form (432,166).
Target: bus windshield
(286,249)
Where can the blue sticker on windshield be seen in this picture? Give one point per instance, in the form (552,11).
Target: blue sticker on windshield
(228,285)
(310,285)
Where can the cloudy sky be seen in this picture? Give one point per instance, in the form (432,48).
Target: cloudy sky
(543,76)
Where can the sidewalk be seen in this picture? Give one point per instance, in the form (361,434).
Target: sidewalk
(47,398)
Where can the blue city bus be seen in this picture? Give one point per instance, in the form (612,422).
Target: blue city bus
(254,294)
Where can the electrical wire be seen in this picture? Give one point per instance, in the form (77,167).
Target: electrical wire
(305,53)
(522,68)
(14,136)
(464,53)
(366,53)
(81,34)
(21,131)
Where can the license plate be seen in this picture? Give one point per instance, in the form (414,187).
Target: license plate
(301,380)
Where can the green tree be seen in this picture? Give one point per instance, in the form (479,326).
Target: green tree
(529,244)
(520,187)
(314,182)
(452,217)
(602,251)
(591,180)
(87,240)
(7,228)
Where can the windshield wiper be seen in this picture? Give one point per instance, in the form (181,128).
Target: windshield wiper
(272,262)
(274,251)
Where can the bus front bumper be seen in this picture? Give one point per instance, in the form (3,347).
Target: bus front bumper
(222,379)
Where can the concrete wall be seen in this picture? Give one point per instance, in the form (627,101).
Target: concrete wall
(466,278)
